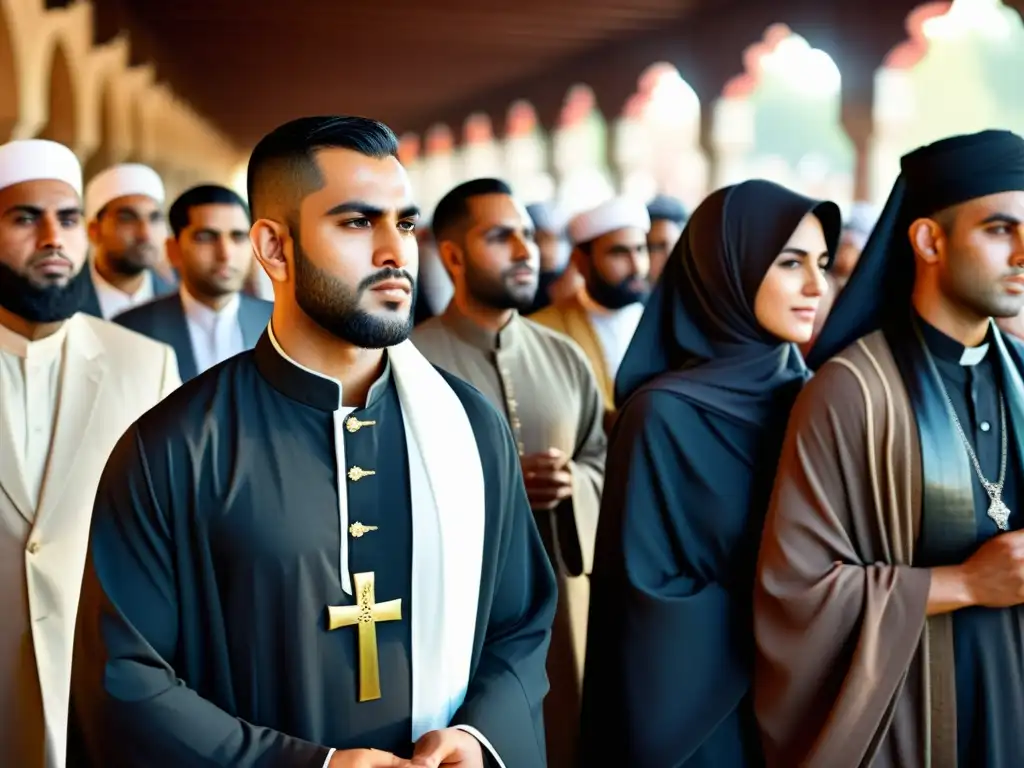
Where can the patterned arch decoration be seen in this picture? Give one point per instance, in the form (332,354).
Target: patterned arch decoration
(480,155)
(526,154)
(56,82)
(581,153)
(959,71)
(657,139)
(780,120)
(62,123)
(438,168)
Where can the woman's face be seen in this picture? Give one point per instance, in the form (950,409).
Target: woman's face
(790,293)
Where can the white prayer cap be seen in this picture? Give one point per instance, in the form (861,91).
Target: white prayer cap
(617,213)
(39,160)
(121,181)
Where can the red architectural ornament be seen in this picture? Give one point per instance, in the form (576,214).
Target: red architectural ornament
(907,54)
(521,119)
(408,148)
(745,84)
(578,105)
(477,129)
(440,140)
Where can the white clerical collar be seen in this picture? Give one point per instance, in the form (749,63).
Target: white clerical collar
(206,317)
(29,349)
(973,355)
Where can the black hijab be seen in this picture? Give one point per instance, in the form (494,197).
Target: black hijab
(932,178)
(698,336)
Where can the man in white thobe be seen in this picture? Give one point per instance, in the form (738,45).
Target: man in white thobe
(69,386)
(610,252)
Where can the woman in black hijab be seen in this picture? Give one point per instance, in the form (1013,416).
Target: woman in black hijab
(704,393)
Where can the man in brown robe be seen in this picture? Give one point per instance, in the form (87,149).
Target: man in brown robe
(888,614)
(544,384)
(610,252)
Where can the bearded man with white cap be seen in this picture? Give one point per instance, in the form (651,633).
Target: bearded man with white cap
(127,227)
(610,252)
(69,387)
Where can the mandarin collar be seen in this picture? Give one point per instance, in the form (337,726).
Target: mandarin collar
(482,338)
(304,385)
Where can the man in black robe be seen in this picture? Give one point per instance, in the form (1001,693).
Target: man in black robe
(889,609)
(323,544)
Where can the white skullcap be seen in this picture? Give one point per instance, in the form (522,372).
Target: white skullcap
(121,181)
(39,160)
(617,213)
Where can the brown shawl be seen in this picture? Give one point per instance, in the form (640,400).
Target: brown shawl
(849,671)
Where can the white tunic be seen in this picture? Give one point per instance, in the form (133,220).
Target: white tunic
(114,301)
(215,334)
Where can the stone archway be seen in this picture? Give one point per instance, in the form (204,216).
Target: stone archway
(8,80)
(106,154)
(61,124)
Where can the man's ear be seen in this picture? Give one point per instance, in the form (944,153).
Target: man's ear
(269,240)
(580,260)
(928,240)
(452,256)
(173,251)
(93,230)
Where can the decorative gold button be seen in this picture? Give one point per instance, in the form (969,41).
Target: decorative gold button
(33,547)
(358,473)
(358,530)
(353,424)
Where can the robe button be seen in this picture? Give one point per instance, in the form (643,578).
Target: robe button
(33,547)
(985,426)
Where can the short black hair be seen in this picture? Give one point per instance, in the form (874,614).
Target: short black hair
(452,211)
(282,167)
(204,194)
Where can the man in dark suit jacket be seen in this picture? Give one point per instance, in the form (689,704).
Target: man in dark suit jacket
(209,319)
(124,208)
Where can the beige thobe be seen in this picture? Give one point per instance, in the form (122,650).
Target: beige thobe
(545,386)
(29,380)
(64,402)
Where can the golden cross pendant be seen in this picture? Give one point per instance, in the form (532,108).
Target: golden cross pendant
(365,614)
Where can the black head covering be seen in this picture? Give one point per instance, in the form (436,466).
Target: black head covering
(699,328)
(932,178)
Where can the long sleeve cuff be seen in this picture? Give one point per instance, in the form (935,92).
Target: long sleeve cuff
(483,740)
(330,754)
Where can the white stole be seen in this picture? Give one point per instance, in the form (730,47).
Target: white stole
(446,480)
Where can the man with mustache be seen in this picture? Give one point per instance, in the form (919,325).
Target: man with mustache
(610,252)
(69,386)
(127,228)
(544,385)
(319,553)
(210,319)
(889,601)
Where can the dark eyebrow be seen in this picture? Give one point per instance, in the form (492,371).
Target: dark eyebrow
(36,211)
(371,211)
(794,250)
(1002,218)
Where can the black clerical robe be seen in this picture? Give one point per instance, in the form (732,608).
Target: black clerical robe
(203,627)
(874,489)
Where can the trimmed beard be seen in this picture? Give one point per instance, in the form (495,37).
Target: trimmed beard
(500,293)
(52,304)
(612,296)
(334,306)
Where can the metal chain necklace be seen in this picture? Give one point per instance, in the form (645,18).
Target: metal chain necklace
(997,510)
